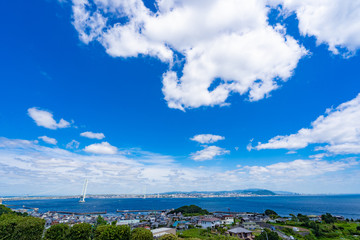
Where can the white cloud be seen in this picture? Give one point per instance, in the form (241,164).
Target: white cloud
(45,119)
(48,140)
(101,148)
(227,40)
(333,22)
(93,135)
(338,129)
(299,168)
(207,138)
(209,153)
(73,144)
(60,172)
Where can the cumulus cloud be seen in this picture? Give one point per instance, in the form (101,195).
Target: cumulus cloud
(207,138)
(209,153)
(45,119)
(333,22)
(338,129)
(59,171)
(24,162)
(299,168)
(48,140)
(225,46)
(93,135)
(101,148)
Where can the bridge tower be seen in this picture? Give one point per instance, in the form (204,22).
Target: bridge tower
(83,194)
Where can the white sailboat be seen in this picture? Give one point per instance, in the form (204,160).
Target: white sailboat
(83,195)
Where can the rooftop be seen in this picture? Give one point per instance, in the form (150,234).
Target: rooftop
(239,230)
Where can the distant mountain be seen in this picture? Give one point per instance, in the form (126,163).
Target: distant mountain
(259,192)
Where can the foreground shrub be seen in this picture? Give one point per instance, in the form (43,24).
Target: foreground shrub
(17,227)
(57,232)
(111,232)
(168,237)
(81,231)
(141,234)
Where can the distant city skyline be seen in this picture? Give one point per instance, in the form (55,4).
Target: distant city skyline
(179,96)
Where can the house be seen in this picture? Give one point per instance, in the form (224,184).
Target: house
(241,233)
(227,219)
(127,222)
(250,225)
(210,222)
(281,220)
(340,218)
(157,233)
(181,224)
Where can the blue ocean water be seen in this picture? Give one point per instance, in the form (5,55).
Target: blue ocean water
(345,205)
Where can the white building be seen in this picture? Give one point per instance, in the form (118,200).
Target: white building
(227,219)
(127,222)
(209,222)
(157,233)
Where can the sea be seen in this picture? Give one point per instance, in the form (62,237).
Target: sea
(344,205)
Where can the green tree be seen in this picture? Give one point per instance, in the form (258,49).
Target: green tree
(168,237)
(57,232)
(358,228)
(141,234)
(8,223)
(17,227)
(112,232)
(269,212)
(29,228)
(81,231)
(191,210)
(4,210)
(316,229)
(303,218)
(100,221)
(293,218)
(268,235)
(328,218)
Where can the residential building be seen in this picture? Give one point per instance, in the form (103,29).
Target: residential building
(157,233)
(250,225)
(209,222)
(241,233)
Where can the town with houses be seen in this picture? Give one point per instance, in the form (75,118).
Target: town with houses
(243,225)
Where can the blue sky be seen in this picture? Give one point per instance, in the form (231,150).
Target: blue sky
(148,78)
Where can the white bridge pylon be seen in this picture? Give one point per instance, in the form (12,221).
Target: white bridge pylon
(83,194)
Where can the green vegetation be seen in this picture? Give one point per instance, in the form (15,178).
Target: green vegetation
(269,212)
(81,231)
(259,192)
(4,210)
(168,237)
(111,232)
(329,228)
(16,227)
(327,218)
(191,210)
(100,221)
(141,234)
(203,234)
(268,235)
(57,232)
